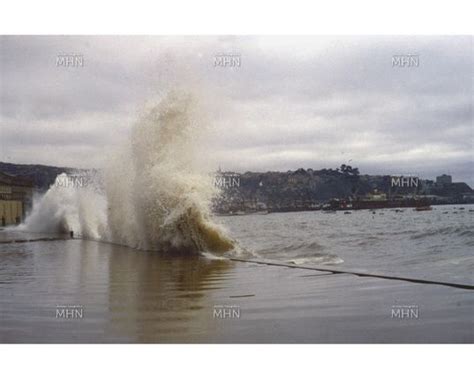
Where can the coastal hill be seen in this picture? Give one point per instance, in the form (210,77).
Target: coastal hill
(309,189)
(42,176)
(287,191)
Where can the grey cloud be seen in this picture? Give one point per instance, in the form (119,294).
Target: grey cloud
(294,102)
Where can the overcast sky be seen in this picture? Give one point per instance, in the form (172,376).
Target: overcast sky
(311,102)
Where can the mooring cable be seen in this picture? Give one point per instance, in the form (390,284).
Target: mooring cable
(358,273)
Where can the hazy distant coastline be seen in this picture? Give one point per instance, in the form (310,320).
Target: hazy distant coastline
(302,189)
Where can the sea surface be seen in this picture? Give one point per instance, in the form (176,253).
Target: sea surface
(437,243)
(127,295)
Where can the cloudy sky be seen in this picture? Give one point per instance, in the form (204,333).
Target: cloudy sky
(310,102)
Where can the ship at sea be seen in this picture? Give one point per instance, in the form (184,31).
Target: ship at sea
(378,200)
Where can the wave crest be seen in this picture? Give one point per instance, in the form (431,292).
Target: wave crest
(153,194)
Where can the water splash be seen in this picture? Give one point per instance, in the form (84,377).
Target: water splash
(154,194)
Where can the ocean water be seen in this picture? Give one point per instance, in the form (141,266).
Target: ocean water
(130,295)
(433,244)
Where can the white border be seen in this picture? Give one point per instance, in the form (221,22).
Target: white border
(236,361)
(236,17)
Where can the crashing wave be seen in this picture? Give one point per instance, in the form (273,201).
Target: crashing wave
(154,194)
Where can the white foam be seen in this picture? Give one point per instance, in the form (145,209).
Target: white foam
(156,190)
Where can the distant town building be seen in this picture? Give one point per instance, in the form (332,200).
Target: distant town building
(376,196)
(444,179)
(15,198)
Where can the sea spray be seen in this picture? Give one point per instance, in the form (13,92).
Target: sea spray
(154,194)
(164,199)
(69,207)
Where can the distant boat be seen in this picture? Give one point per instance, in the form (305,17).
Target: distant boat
(424,208)
(243,213)
(347,213)
(237,213)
